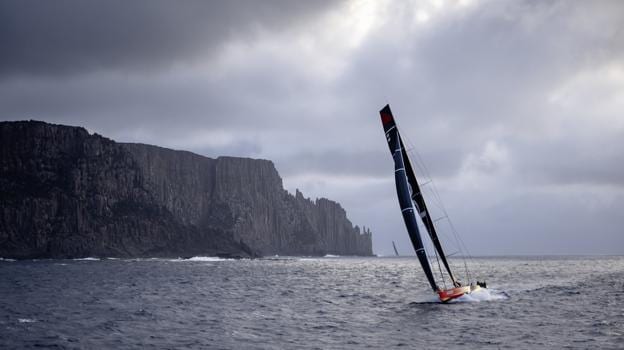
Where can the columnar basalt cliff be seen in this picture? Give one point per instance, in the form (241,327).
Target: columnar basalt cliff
(67,193)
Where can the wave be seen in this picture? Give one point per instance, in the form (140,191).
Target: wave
(179,259)
(482,294)
(87,259)
(26,320)
(331,256)
(6,259)
(204,258)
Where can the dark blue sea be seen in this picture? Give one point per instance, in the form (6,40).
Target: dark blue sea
(308,303)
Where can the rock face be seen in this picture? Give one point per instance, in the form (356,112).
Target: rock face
(67,193)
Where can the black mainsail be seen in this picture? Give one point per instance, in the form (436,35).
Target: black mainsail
(411,201)
(419,202)
(403,190)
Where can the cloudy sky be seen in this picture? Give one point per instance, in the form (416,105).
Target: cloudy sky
(515,107)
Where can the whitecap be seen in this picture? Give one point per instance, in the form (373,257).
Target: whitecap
(26,320)
(87,259)
(6,259)
(207,258)
(482,294)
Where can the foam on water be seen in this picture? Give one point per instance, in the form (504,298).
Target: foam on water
(483,294)
(25,320)
(331,256)
(207,258)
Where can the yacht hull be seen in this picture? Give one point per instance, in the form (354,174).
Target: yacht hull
(447,295)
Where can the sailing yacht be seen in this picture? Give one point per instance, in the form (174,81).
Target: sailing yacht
(396,252)
(412,202)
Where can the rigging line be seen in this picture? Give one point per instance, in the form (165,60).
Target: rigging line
(430,248)
(458,250)
(440,218)
(436,199)
(465,247)
(428,175)
(421,164)
(461,242)
(446,237)
(454,231)
(433,188)
(440,268)
(462,246)
(425,183)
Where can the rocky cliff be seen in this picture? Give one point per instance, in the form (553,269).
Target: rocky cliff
(67,193)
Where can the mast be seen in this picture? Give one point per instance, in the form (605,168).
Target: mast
(396,252)
(419,202)
(403,192)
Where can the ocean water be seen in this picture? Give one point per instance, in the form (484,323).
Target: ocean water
(308,303)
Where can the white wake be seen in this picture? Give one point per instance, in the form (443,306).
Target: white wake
(483,294)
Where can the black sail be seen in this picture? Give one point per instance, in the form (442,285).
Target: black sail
(417,197)
(403,192)
(419,201)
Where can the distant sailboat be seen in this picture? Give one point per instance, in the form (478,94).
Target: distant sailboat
(396,252)
(412,201)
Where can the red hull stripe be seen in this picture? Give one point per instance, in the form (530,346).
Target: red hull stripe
(446,295)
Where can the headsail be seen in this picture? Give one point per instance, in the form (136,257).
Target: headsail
(403,191)
(419,201)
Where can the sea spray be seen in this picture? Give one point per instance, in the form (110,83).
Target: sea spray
(483,294)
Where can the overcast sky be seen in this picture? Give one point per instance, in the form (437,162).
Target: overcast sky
(515,107)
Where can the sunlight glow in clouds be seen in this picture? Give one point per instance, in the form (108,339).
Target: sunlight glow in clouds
(317,51)
(601,88)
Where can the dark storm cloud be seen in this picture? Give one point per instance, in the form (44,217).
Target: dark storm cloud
(515,107)
(488,72)
(571,162)
(493,62)
(497,62)
(366,163)
(73,36)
